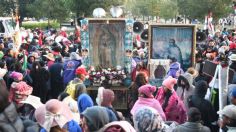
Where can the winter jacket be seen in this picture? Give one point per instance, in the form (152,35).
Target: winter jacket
(69,70)
(175,109)
(151,102)
(191,127)
(183,93)
(10,121)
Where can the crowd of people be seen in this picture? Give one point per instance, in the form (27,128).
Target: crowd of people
(42,89)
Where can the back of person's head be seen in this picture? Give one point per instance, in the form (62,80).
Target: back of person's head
(3,99)
(80,90)
(194,115)
(201,88)
(2,64)
(141,79)
(57,129)
(62,96)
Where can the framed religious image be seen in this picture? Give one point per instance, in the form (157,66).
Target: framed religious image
(107,40)
(173,41)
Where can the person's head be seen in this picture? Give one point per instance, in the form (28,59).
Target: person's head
(168,84)
(18,66)
(3,98)
(229,115)
(194,115)
(185,81)
(62,96)
(193,72)
(16,76)
(31,59)
(45,114)
(57,129)
(141,79)
(80,89)
(105,97)
(81,73)
(211,43)
(233,96)
(94,118)
(146,91)
(19,92)
(147,119)
(172,41)
(201,88)
(2,65)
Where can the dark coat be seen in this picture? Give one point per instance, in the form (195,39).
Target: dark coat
(56,79)
(40,83)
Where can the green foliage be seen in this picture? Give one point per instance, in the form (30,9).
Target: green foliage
(6,7)
(42,25)
(200,8)
(52,9)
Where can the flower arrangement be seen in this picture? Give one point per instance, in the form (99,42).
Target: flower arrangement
(108,76)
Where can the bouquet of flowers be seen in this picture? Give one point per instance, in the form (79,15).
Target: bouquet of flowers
(108,76)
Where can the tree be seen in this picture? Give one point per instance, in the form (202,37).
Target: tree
(200,8)
(51,9)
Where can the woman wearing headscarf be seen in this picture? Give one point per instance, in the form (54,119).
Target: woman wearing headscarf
(147,119)
(105,98)
(185,87)
(171,104)
(40,77)
(94,118)
(146,98)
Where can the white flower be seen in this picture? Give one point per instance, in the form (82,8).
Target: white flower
(109,69)
(118,67)
(103,78)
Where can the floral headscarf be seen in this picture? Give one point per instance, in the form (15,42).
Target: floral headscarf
(148,120)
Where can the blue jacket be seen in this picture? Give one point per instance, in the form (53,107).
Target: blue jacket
(69,70)
(73,126)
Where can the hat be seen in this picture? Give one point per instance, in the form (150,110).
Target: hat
(17,76)
(50,56)
(74,56)
(2,72)
(81,70)
(229,111)
(19,91)
(232,57)
(108,97)
(53,113)
(148,90)
(1,55)
(32,100)
(193,72)
(169,82)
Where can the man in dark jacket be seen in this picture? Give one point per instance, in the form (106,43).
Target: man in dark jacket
(205,107)
(193,124)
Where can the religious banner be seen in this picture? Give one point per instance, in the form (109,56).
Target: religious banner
(173,41)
